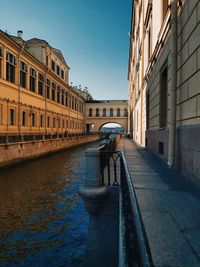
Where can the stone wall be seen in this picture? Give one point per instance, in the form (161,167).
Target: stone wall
(12,153)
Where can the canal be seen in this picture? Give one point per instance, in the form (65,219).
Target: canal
(42,218)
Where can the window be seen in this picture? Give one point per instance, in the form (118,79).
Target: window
(47,61)
(111,112)
(23,118)
(125,112)
(90,112)
(66,99)
(58,94)
(104,112)
(54,122)
(53,92)
(163,98)
(58,70)
(32,119)
(48,88)
(53,65)
(12,116)
(23,73)
(72,99)
(147,110)
(118,112)
(40,84)
(62,74)
(32,80)
(1,60)
(97,112)
(78,105)
(48,121)
(63,124)
(161,148)
(75,104)
(41,120)
(58,122)
(164,7)
(62,97)
(10,67)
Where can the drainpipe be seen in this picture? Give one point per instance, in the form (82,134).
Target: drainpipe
(172,121)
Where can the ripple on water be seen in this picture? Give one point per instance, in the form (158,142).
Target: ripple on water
(43,220)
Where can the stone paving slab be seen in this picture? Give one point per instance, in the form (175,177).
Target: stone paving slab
(193,238)
(151,200)
(168,246)
(150,185)
(170,208)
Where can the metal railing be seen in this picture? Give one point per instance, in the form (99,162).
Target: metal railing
(134,248)
(133,244)
(9,139)
(108,163)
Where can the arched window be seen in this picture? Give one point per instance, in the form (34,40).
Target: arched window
(90,112)
(104,112)
(97,112)
(111,112)
(118,112)
(125,112)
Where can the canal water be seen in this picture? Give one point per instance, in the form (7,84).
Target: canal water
(42,218)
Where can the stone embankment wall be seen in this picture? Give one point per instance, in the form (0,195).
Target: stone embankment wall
(11,153)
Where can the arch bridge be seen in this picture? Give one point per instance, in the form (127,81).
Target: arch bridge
(101,112)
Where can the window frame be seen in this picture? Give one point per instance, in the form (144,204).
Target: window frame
(32,79)
(11,63)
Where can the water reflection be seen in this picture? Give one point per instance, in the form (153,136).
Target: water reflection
(42,218)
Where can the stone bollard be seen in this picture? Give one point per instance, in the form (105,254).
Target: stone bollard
(93,193)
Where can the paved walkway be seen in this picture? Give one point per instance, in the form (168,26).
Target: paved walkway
(170,208)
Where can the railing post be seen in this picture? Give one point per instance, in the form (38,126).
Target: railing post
(93,193)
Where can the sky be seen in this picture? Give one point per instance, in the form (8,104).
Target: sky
(92,35)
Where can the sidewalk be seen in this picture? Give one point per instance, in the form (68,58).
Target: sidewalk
(169,206)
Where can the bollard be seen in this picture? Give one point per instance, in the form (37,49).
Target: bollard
(93,193)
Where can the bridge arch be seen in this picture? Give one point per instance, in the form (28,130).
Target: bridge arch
(101,112)
(108,123)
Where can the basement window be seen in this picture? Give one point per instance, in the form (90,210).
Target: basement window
(163,98)
(161,148)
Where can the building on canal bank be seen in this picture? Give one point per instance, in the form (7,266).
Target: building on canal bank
(35,95)
(40,112)
(163,74)
(101,112)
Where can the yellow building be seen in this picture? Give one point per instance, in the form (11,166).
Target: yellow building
(35,96)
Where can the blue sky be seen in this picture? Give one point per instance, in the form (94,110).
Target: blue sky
(92,35)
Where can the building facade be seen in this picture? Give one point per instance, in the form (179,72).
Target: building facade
(164,76)
(101,112)
(35,96)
